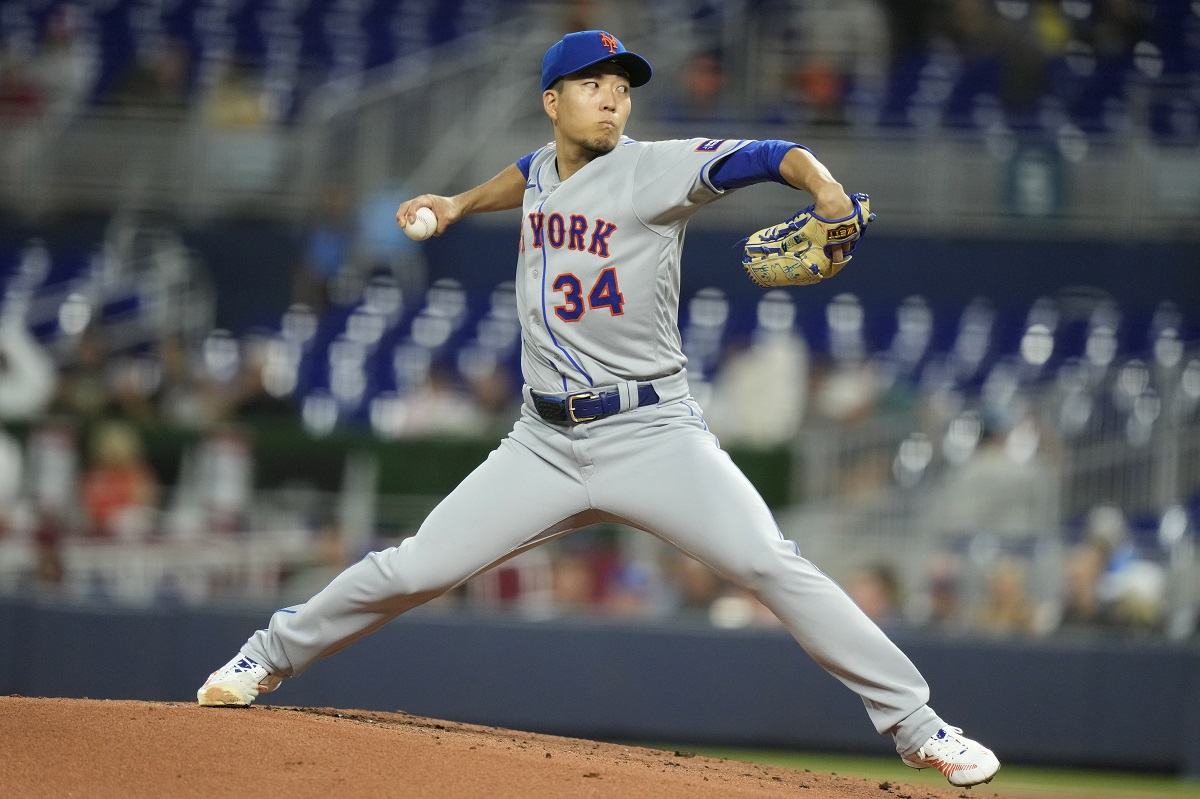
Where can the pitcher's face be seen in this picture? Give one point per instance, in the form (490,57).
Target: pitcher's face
(592,107)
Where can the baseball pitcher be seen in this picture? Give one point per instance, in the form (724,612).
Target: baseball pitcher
(608,430)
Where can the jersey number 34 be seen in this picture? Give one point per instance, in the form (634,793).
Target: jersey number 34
(604,294)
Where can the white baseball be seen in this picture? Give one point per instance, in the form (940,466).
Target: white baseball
(423,226)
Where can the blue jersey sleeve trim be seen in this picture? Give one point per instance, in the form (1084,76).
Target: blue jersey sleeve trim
(711,164)
(755,162)
(524,161)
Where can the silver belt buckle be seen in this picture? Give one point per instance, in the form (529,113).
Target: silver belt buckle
(571,407)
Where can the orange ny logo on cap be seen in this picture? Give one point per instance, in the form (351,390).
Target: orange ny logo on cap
(609,41)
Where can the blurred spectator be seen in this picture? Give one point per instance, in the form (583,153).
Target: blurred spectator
(827,48)
(142,387)
(495,396)
(224,481)
(847,391)
(703,336)
(1023,60)
(876,591)
(701,93)
(588,571)
(380,247)
(10,480)
(944,600)
(135,381)
(1118,25)
(439,406)
(20,96)
(696,586)
(580,15)
(525,584)
(818,90)
(243,152)
(327,559)
(1050,26)
(236,100)
(1002,487)
(327,248)
(771,372)
(181,398)
(574,580)
(52,480)
(64,65)
(83,383)
(53,472)
(1000,54)
(159,81)
(27,375)
(1081,604)
(49,572)
(1107,584)
(910,25)
(1007,609)
(635,589)
(736,607)
(847,388)
(119,488)
(250,394)
(1136,593)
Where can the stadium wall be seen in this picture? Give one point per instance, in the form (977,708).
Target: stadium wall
(1090,702)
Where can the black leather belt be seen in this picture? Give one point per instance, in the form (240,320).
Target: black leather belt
(587,406)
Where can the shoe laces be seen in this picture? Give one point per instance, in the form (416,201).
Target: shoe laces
(243,667)
(945,743)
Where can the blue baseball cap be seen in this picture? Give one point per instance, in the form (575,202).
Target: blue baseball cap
(582,49)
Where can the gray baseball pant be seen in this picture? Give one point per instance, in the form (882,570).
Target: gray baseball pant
(656,468)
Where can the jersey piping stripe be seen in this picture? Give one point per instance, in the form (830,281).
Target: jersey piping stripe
(546,318)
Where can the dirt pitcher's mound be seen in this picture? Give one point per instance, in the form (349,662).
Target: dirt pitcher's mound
(93,748)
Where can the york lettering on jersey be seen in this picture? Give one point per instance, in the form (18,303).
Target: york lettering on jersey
(557,231)
(535,224)
(600,238)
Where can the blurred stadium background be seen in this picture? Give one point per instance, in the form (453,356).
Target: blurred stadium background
(224,375)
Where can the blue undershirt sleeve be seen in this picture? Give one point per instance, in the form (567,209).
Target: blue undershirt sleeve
(757,162)
(524,161)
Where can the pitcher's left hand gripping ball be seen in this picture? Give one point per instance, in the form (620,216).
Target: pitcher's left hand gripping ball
(799,252)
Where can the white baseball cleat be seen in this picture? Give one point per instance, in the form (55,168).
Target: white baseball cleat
(237,684)
(962,761)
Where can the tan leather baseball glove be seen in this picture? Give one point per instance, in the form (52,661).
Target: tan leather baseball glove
(799,252)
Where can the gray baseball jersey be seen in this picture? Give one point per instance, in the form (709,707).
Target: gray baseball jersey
(598,276)
(598,290)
